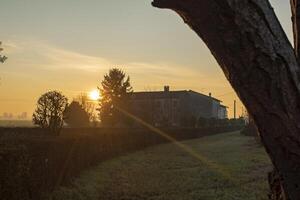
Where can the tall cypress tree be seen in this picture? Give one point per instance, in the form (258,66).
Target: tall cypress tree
(115,93)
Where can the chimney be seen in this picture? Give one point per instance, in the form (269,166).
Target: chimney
(166,88)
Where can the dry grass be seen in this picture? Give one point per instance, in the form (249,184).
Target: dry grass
(166,172)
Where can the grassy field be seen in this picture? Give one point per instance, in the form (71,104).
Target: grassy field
(228,166)
(16,123)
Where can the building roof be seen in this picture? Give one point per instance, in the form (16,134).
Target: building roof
(164,94)
(223,106)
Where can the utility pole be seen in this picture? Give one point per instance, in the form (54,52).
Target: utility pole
(234,109)
(243,111)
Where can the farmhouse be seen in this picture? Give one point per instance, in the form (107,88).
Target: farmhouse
(176,108)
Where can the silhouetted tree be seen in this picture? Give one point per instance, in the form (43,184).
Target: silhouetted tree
(2,58)
(87,105)
(76,116)
(249,44)
(49,111)
(115,93)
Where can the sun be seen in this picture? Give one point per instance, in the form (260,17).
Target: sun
(94,95)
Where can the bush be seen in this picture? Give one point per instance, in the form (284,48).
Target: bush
(250,130)
(14,172)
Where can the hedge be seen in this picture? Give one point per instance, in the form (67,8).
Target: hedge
(33,163)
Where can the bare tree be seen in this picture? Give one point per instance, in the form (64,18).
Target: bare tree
(258,60)
(49,111)
(88,105)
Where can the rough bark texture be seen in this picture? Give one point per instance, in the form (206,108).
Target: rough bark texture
(251,47)
(295,7)
(277,192)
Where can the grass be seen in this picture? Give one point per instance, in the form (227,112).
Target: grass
(167,172)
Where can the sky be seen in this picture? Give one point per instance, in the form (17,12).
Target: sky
(68,45)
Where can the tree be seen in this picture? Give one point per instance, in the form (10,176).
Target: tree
(87,105)
(2,58)
(256,57)
(115,93)
(49,111)
(76,116)
(295,7)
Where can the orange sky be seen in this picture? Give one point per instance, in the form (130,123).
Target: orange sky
(70,46)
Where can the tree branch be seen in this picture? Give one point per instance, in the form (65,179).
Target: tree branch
(2,58)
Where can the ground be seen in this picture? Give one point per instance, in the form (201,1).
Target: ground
(228,166)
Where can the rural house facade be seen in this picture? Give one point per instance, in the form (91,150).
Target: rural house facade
(176,108)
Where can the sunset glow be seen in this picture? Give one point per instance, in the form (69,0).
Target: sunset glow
(78,51)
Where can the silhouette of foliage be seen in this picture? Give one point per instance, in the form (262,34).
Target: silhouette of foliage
(76,116)
(2,58)
(115,92)
(49,111)
(87,105)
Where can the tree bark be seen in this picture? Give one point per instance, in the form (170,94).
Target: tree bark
(276,190)
(295,7)
(255,55)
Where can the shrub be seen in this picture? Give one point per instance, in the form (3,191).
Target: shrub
(33,165)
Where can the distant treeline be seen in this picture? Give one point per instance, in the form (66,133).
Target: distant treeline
(33,164)
(16,123)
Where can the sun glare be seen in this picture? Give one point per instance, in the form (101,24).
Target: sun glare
(94,95)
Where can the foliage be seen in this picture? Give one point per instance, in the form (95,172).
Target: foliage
(251,130)
(41,163)
(2,58)
(213,122)
(14,171)
(115,95)
(49,111)
(87,105)
(76,116)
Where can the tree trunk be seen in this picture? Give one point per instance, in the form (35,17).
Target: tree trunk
(277,192)
(295,7)
(253,51)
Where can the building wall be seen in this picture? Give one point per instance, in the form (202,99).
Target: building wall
(166,111)
(199,105)
(223,114)
(176,108)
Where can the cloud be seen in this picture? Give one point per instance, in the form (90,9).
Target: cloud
(10,47)
(162,70)
(64,59)
(39,56)
(42,55)
(46,66)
